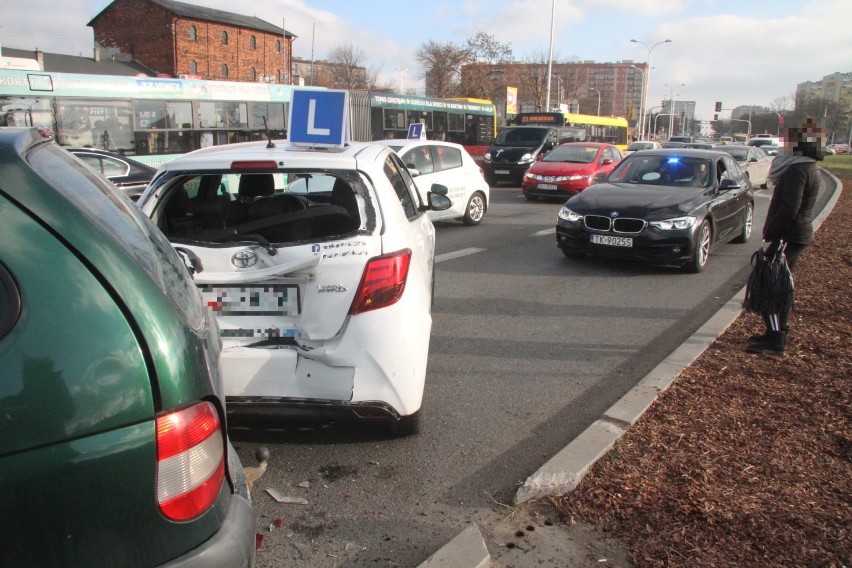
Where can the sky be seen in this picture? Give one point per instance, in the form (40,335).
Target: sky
(739,52)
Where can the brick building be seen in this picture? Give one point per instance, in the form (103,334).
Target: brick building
(174,38)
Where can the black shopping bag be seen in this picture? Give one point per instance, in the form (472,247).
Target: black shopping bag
(769,290)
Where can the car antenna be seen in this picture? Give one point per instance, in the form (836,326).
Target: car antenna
(268,135)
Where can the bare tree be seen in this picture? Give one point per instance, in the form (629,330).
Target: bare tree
(441,63)
(532,79)
(347,67)
(484,54)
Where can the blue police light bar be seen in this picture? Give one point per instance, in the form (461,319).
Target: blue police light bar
(319,118)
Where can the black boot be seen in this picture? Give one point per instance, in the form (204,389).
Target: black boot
(765,335)
(774,344)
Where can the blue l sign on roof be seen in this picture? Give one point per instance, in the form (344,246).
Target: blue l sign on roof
(319,118)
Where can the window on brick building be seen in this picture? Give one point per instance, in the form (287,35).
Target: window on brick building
(252,74)
(224,38)
(193,68)
(277,46)
(224,71)
(193,33)
(252,42)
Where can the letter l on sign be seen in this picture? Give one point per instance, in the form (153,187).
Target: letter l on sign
(312,112)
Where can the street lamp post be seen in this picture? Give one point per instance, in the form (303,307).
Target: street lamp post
(401,87)
(671,101)
(646,80)
(599,98)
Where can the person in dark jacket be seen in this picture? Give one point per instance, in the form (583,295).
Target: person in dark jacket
(796,180)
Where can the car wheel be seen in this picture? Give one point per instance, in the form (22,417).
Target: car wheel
(702,249)
(406,425)
(475,210)
(748,224)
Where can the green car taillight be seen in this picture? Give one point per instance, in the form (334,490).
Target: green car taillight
(190,461)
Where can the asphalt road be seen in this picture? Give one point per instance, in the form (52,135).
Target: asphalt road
(528,348)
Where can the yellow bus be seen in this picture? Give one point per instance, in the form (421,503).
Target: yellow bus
(589,128)
(611,129)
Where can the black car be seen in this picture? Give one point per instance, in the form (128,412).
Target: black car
(125,173)
(516,148)
(670,206)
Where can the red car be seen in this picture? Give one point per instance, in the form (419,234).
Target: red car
(567,169)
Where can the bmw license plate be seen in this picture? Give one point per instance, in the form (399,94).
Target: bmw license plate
(501,172)
(547,186)
(611,241)
(255,300)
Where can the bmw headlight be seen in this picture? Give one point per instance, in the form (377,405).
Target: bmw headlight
(567,215)
(676,224)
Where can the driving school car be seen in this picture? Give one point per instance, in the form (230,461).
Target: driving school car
(318,262)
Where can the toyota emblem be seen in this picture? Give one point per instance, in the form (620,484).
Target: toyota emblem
(244,259)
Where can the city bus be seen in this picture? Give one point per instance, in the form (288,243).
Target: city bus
(157,118)
(589,128)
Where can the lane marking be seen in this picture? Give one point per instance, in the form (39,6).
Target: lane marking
(457,254)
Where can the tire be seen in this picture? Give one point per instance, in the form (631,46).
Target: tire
(406,425)
(747,225)
(475,210)
(702,249)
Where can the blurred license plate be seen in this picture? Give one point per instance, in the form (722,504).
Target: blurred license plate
(501,172)
(257,300)
(612,241)
(547,186)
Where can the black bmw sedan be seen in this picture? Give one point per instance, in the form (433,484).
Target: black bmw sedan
(671,206)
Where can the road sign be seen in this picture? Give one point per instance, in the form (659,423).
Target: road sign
(319,118)
(417,131)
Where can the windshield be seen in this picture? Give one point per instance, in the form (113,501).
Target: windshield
(739,154)
(662,170)
(522,136)
(636,146)
(577,154)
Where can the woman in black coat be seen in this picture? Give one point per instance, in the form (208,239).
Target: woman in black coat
(795,178)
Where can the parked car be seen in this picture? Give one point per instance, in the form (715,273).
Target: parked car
(764,141)
(752,160)
(448,164)
(311,259)
(516,148)
(113,445)
(669,207)
(568,168)
(642,145)
(127,174)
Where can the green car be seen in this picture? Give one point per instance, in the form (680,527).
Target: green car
(113,441)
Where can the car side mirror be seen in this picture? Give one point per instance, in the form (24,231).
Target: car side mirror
(606,161)
(437,198)
(729,184)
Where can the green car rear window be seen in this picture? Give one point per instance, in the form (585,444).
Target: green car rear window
(124,224)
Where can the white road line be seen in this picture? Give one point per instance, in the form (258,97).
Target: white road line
(545,232)
(457,254)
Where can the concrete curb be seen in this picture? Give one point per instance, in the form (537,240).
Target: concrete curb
(466,549)
(564,471)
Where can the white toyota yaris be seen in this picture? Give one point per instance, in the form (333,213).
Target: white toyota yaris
(319,265)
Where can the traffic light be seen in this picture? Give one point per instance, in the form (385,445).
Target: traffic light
(715,117)
(718,106)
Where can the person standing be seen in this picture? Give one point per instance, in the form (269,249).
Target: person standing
(796,182)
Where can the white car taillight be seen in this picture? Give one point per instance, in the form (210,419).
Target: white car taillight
(382,283)
(190,461)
